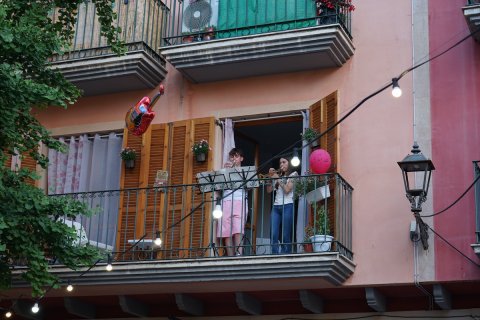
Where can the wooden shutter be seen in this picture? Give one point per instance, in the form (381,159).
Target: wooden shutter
(194,230)
(197,226)
(143,212)
(130,200)
(29,163)
(323,115)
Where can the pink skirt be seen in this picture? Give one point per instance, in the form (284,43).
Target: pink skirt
(233,218)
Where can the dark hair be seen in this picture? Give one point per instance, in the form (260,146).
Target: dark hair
(236,151)
(289,168)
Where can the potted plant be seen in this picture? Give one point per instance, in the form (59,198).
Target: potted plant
(307,242)
(322,240)
(128,155)
(312,187)
(310,135)
(200,150)
(209,33)
(329,10)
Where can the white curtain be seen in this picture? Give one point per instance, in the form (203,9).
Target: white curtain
(228,139)
(302,203)
(90,166)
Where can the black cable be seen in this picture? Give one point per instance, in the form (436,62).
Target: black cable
(307,144)
(319,135)
(454,202)
(453,247)
(389,316)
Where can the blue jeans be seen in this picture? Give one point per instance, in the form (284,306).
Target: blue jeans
(281,215)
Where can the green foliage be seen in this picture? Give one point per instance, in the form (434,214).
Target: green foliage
(31,232)
(309,134)
(321,223)
(305,184)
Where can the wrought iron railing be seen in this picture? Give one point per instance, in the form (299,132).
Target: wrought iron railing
(204,20)
(476,170)
(142,24)
(127,222)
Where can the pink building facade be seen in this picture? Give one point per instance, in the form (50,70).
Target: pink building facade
(388,273)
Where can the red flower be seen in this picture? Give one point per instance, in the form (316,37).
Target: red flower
(341,4)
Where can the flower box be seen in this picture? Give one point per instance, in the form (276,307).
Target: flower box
(318,194)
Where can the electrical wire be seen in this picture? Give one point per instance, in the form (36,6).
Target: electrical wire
(453,247)
(389,316)
(319,135)
(454,202)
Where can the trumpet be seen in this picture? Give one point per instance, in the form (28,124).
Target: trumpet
(269,174)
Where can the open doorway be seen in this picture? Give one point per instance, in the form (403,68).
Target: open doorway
(263,143)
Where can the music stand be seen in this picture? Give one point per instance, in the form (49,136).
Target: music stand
(211,181)
(242,177)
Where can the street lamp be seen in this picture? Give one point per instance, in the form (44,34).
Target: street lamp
(413,166)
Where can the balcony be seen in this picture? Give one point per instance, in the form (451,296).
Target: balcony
(128,222)
(91,65)
(234,40)
(472,15)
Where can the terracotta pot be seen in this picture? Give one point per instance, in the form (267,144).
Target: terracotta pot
(307,247)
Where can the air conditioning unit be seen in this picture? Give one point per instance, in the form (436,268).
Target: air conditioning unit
(199,14)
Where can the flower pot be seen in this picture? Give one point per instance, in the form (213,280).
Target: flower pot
(307,247)
(187,39)
(326,15)
(201,157)
(318,194)
(130,164)
(314,144)
(321,242)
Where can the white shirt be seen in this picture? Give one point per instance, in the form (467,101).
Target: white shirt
(280,197)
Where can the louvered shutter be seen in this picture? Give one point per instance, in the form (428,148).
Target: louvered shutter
(166,147)
(194,230)
(323,115)
(130,200)
(198,225)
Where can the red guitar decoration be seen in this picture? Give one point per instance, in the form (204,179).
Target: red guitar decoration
(139,117)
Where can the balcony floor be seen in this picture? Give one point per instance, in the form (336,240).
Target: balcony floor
(262,54)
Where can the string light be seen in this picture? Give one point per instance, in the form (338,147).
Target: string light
(109,266)
(158,240)
(396,91)
(217,212)
(295,160)
(35,308)
(69,287)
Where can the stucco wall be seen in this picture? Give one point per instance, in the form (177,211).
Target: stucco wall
(372,140)
(455,82)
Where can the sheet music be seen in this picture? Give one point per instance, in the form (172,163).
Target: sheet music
(242,177)
(211,180)
(228,178)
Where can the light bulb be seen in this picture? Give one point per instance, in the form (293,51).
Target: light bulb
(295,161)
(109,266)
(8,314)
(35,308)
(69,288)
(158,241)
(217,213)
(396,91)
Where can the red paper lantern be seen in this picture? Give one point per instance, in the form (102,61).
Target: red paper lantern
(320,161)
